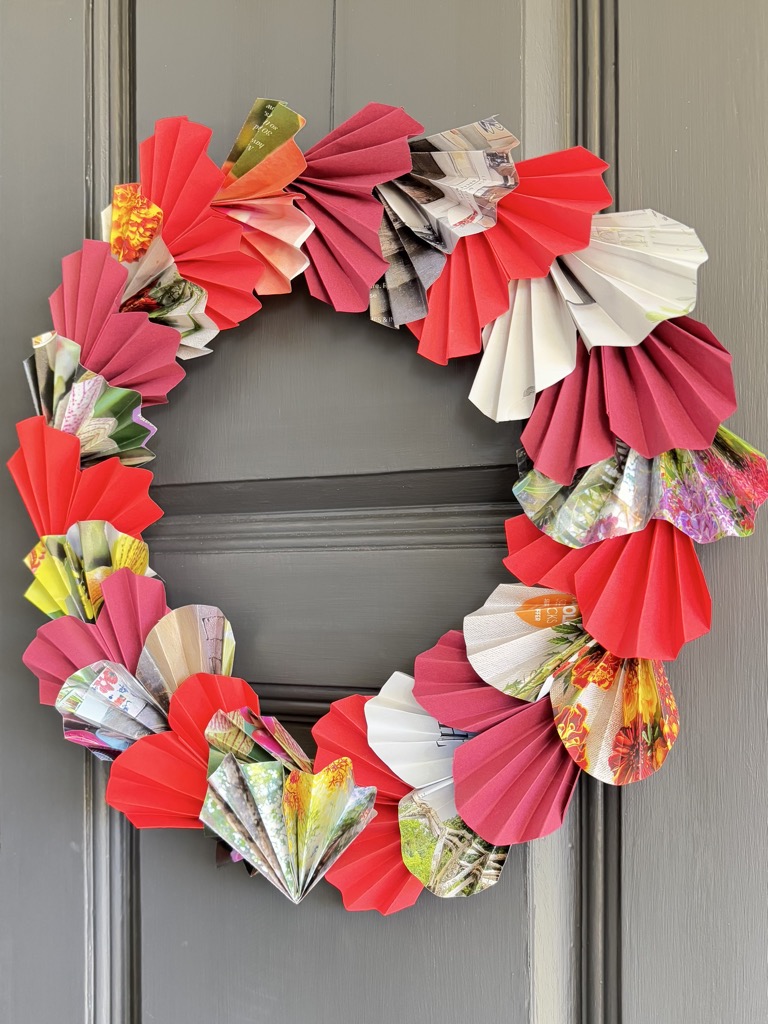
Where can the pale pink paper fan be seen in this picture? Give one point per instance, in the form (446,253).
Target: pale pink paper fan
(671,391)
(335,191)
(127,349)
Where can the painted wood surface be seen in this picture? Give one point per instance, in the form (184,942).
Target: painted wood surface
(693,84)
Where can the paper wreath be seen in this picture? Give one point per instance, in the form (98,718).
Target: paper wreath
(583,323)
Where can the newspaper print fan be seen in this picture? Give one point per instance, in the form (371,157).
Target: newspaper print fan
(289,827)
(454,186)
(707,494)
(639,269)
(449,858)
(70,569)
(336,193)
(106,420)
(513,779)
(262,162)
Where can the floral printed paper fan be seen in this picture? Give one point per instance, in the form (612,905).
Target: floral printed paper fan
(170,300)
(335,191)
(70,569)
(371,874)
(262,162)
(514,780)
(708,494)
(131,606)
(671,391)
(57,493)
(287,827)
(106,420)
(548,214)
(160,781)
(127,349)
(253,737)
(669,609)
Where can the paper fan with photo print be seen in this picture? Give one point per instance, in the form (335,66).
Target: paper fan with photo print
(289,827)
(177,175)
(187,641)
(371,874)
(131,606)
(671,391)
(57,493)
(106,420)
(336,193)
(707,494)
(127,349)
(160,781)
(69,569)
(640,596)
(617,718)
(262,162)
(514,780)
(253,737)
(171,300)
(548,214)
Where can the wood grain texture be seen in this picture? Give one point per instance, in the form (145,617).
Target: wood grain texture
(693,83)
(42,171)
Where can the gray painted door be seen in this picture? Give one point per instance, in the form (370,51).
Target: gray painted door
(343,502)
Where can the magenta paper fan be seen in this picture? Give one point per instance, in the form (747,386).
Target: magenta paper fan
(132,607)
(671,391)
(127,349)
(515,779)
(335,192)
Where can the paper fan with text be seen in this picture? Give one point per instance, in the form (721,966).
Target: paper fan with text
(289,827)
(160,781)
(671,391)
(177,175)
(548,214)
(262,162)
(57,493)
(335,192)
(127,349)
(371,874)
(707,494)
(131,606)
(69,569)
(640,596)
(449,858)
(106,420)
(513,780)
(189,640)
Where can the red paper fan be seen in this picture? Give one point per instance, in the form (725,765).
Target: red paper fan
(178,175)
(514,780)
(335,191)
(671,391)
(370,874)
(161,781)
(57,493)
(132,606)
(642,595)
(547,215)
(127,349)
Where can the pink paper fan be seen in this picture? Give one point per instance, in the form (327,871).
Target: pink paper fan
(671,391)
(515,779)
(132,606)
(127,349)
(335,191)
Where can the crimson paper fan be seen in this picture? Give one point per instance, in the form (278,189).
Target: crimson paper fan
(671,391)
(653,576)
(127,349)
(161,781)
(371,874)
(335,191)
(178,175)
(514,780)
(547,215)
(57,493)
